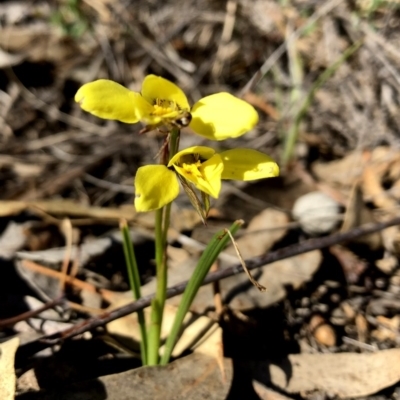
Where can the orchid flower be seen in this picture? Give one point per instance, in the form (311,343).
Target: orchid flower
(217,117)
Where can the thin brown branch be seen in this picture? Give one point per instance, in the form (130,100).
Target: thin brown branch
(8,322)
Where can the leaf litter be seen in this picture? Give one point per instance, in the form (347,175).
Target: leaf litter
(334,311)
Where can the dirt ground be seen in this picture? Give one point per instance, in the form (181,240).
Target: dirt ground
(322,237)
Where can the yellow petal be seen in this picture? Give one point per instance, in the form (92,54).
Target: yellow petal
(247,165)
(204,152)
(222,116)
(212,170)
(206,177)
(155,186)
(154,87)
(110,100)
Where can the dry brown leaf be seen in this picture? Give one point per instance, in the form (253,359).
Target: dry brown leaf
(362,327)
(344,173)
(373,190)
(201,334)
(352,266)
(45,280)
(38,42)
(8,60)
(391,240)
(7,373)
(265,393)
(177,256)
(387,264)
(67,208)
(357,214)
(56,255)
(262,104)
(340,173)
(20,38)
(381,162)
(348,310)
(184,219)
(388,328)
(267,16)
(196,377)
(27,382)
(12,239)
(264,230)
(190,378)
(276,277)
(342,374)
(25,170)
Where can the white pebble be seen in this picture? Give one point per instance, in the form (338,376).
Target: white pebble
(317,213)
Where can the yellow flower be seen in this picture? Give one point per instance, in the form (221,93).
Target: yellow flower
(157,185)
(218,117)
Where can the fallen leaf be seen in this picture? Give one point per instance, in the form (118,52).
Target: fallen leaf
(66,208)
(12,239)
(362,327)
(7,373)
(388,328)
(276,277)
(352,265)
(194,377)
(27,382)
(263,231)
(265,393)
(387,264)
(56,255)
(184,219)
(200,333)
(8,60)
(340,173)
(345,172)
(372,187)
(357,213)
(342,374)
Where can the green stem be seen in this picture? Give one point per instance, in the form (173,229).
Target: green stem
(156,304)
(134,281)
(161,232)
(210,254)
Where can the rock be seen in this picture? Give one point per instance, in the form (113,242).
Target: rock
(317,213)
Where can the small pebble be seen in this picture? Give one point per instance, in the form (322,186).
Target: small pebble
(323,333)
(380,283)
(320,307)
(335,298)
(317,213)
(338,317)
(348,310)
(303,312)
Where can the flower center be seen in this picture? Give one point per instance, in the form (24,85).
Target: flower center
(170,112)
(161,110)
(193,169)
(163,106)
